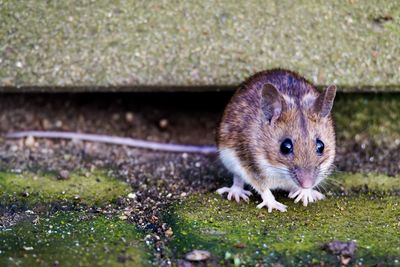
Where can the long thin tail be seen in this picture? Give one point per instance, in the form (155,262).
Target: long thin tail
(116,141)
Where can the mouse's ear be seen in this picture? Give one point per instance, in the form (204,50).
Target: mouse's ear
(272,103)
(323,104)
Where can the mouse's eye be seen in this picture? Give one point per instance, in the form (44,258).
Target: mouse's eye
(286,146)
(320,147)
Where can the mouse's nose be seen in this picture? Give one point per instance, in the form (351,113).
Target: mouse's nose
(305,177)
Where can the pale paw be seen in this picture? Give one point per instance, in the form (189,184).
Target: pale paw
(236,192)
(306,196)
(272,204)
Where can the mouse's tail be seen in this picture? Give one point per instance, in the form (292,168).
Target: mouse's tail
(115,140)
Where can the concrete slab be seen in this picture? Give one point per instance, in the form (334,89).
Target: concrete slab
(239,234)
(160,45)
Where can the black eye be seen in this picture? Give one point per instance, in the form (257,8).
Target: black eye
(286,147)
(320,146)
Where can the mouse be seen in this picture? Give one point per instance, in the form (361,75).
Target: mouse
(277,133)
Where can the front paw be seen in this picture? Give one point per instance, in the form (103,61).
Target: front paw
(236,192)
(306,195)
(272,204)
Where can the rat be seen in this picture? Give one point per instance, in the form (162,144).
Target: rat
(277,133)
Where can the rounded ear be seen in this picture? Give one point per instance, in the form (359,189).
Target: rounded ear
(324,103)
(272,103)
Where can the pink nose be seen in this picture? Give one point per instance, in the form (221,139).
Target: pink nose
(305,177)
(306,183)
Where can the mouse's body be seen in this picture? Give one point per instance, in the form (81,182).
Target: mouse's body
(277,133)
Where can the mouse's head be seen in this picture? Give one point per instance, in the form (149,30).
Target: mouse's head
(299,135)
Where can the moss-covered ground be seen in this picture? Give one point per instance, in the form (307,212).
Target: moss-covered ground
(75,237)
(72,239)
(241,234)
(230,230)
(91,188)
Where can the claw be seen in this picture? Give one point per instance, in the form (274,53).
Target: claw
(293,194)
(222,190)
(299,196)
(236,192)
(318,195)
(270,202)
(272,205)
(306,196)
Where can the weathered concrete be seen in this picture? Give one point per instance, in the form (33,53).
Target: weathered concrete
(242,235)
(159,45)
(72,239)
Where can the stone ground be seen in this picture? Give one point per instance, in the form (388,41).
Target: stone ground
(79,203)
(136,46)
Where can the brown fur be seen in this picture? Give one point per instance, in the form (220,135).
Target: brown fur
(245,130)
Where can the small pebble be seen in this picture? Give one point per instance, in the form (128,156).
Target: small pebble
(341,248)
(169,232)
(115,116)
(59,124)
(63,175)
(46,124)
(346,250)
(132,195)
(198,255)
(123,217)
(163,123)
(30,141)
(129,117)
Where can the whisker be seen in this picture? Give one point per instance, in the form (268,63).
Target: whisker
(331,183)
(276,168)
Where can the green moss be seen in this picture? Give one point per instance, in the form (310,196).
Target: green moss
(361,117)
(292,238)
(374,182)
(72,239)
(95,188)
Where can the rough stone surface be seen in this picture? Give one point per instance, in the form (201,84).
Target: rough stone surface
(241,235)
(122,188)
(160,45)
(72,239)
